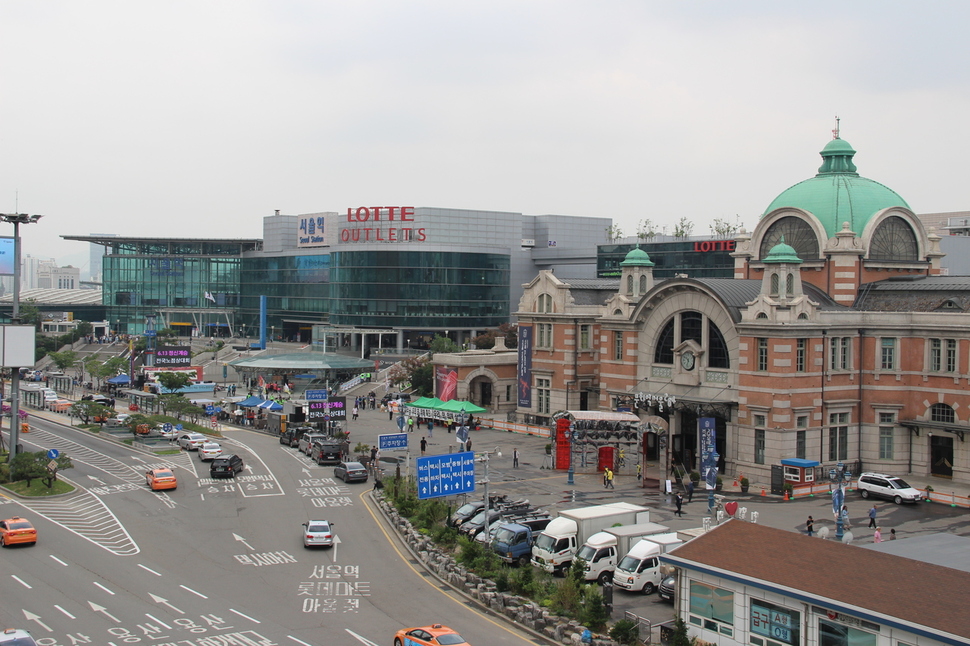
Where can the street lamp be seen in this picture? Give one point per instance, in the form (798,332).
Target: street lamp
(16,219)
(711,479)
(840,475)
(570,435)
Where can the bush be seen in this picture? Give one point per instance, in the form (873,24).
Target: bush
(625,632)
(592,612)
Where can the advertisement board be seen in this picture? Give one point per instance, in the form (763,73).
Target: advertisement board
(524,377)
(173,356)
(335,409)
(6,256)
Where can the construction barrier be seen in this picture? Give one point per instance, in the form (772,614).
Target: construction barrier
(515,427)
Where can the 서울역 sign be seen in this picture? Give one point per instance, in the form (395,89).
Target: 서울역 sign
(446,475)
(393,442)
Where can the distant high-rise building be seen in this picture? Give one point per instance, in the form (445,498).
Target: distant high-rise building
(97,253)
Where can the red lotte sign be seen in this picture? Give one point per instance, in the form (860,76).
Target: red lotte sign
(385,224)
(714,245)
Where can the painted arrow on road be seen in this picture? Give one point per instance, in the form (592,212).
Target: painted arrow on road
(164,602)
(242,540)
(96,608)
(36,618)
(98,480)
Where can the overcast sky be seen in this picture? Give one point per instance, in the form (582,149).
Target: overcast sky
(199,118)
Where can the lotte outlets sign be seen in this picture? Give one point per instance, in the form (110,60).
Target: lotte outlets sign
(364,224)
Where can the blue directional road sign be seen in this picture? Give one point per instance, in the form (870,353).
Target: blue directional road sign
(53,453)
(393,442)
(446,475)
(315,395)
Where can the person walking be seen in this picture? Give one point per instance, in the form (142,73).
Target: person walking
(639,471)
(845,517)
(872,517)
(892,534)
(810,526)
(877,536)
(410,425)
(690,489)
(424,445)
(515,458)
(356,412)
(609,478)
(679,501)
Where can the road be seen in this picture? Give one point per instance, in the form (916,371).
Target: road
(214,561)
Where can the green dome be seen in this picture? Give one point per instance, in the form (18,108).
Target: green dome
(637,258)
(782,252)
(838,194)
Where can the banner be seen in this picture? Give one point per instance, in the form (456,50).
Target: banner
(173,356)
(446,382)
(525,367)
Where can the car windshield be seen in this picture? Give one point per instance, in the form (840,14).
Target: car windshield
(477,519)
(454,638)
(899,483)
(316,529)
(19,524)
(466,509)
(628,564)
(504,535)
(546,542)
(586,553)
(355,466)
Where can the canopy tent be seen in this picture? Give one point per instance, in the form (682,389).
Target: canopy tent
(459,405)
(270,405)
(120,380)
(251,401)
(426,402)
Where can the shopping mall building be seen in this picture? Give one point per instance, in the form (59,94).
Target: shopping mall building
(835,339)
(389,276)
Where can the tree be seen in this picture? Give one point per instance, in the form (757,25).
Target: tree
(680,637)
(33,466)
(614,232)
(102,370)
(86,410)
(173,381)
(177,405)
(64,360)
(29,312)
(724,228)
(422,380)
(487,340)
(646,229)
(443,344)
(684,228)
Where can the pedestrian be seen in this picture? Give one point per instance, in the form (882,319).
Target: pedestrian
(430,424)
(424,445)
(679,501)
(515,458)
(410,425)
(892,534)
(604,477)
(810,526)
(609,478)
(468,444)
(356,412)
(639,471)
(390,413)
(373,456)
(845,516)
(877,536)
(690,489)
(450,422)
(872,517)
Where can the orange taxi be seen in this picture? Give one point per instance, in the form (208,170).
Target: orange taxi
(158,479)
(436,635)
(17,530)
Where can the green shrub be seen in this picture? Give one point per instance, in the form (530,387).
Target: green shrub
(625,632)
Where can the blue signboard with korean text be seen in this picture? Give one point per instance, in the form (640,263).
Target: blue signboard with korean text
(393,442)
(315,395)
(446,475)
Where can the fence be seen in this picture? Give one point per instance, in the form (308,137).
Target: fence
(515,427)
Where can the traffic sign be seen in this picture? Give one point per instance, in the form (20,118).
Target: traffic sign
(393,442)
(446,475)
(53,453)
(316,395)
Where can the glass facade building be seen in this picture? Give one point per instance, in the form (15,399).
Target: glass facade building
(696,257)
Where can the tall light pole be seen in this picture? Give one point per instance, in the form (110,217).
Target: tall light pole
(840,475)
(571,473)
(16,219)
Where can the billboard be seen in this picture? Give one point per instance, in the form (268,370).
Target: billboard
(6,256)
(446,384)
(524,377)
(173,356)
(335,408)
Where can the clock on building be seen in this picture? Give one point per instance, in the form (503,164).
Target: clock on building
(687,360)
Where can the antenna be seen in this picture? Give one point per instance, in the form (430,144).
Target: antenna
(835,132)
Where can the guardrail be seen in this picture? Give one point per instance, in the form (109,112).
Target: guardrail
(515,427)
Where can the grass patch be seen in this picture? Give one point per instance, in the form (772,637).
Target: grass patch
(37,488)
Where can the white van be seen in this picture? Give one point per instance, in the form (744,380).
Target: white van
(639,570)
(50,395)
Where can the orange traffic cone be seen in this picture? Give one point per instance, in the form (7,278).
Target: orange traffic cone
(762,491)
(786,495)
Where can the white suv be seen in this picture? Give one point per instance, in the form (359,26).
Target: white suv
(890,487)
(16,637)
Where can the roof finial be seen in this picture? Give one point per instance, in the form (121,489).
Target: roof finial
(835,132)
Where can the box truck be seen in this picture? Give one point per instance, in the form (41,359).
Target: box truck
(602,549)
(639,570)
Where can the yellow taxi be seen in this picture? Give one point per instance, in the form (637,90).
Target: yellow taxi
(158,479)
(436,635)
(17,530)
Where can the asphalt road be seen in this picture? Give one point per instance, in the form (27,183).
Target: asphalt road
(219,560)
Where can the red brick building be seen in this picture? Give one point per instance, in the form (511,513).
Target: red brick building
(836,341)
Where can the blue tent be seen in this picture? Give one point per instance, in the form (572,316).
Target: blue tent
(251,401)
(120,379)
(271,405)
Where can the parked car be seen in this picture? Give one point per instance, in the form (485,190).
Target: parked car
(159,479)
(192,441)
(306,442)
(889,487)
(210,451)
(350,472)
(226,466)
(667,588)
(16,637)
(318,532)
(326,452)
(465,512)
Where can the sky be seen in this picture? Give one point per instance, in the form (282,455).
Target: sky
(198,118)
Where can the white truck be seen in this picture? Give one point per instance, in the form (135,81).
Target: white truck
(640,569)
(601,550)
(557,544)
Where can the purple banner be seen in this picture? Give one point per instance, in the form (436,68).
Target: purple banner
(525,367)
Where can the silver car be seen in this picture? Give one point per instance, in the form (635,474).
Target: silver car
(318,532)
(192,441)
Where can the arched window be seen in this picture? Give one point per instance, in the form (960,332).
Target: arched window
(545,304)
(796,232)
(790,285)
(665,344)
(717,353)
(643,284)
(894,240)
(942,413)
(774,285)
(803,316)
(629,285)
(617,312)
(761,315)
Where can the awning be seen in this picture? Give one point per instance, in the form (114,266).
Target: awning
(458,405)
(606,416)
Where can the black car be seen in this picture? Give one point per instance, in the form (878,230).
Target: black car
(326,452)
(668,588)
(351,472)
(291,437)
(465,512)
(226,466)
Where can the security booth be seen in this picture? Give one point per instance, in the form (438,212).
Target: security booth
(141,402)
(798,471)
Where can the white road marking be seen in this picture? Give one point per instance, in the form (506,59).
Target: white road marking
(65,612)
(193,591)
(20,581)
(96,608)
(245,616)
(36,618)
(298,641)
(144,567)
(58,560)
(362,640)
(242,540)
(103,588)
(164,602)
(158,621)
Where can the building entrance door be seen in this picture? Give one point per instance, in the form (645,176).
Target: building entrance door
(941,456)
(485,394)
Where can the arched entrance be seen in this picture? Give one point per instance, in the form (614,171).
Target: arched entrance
(480,391)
